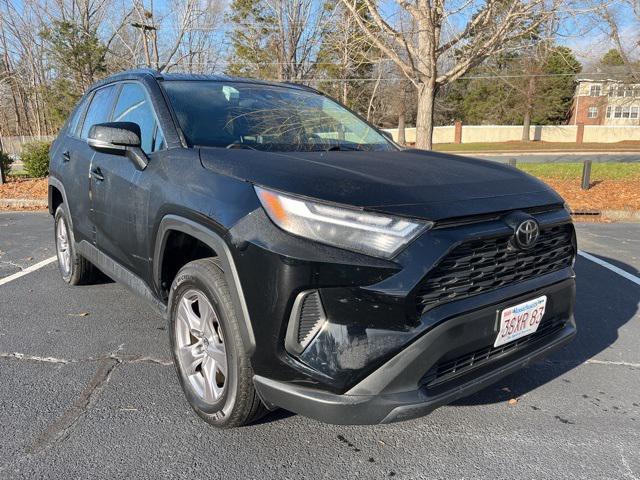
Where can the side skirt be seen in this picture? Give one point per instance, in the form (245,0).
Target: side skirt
(120,274)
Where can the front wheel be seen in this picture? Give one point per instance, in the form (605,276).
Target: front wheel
(210,359)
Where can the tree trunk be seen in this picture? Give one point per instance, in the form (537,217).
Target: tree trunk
(424,117)
(526,126)
(526,123)
(401,136)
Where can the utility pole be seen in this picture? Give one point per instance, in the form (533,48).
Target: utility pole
(145,41)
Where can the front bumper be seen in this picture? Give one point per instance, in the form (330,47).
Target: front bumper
(372,360)
(397,391)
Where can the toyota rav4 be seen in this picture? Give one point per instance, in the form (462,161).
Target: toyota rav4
(301,258)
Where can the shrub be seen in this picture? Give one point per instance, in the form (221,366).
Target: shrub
(35,157)
(5,165)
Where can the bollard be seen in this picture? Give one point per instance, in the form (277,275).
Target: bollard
(586,175)
(512,162)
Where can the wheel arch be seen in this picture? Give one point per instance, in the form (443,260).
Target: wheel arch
(56,195)
(175,223)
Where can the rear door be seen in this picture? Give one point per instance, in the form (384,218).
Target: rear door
(120,192)
(76,156)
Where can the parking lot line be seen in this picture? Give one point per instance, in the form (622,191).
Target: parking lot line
(27,270)
(613,268)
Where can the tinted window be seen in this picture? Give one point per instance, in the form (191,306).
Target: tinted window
(265,117)
(133,106)
(99,109)
(74,123)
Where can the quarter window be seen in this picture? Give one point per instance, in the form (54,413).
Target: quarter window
(74,124)
(99,110)
(595,91)
(592,112)
(134,106)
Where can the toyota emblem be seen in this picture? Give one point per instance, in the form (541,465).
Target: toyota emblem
(527,233)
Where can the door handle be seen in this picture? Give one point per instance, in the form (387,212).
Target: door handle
(66,156)
(97,174)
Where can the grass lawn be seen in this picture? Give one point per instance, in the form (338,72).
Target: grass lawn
(536,147)
(573,171)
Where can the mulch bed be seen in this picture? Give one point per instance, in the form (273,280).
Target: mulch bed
(24,188)
(603,195)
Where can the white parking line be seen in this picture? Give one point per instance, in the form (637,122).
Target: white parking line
(613,268)
(26,271)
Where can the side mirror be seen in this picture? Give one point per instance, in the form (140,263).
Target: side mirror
(119,138)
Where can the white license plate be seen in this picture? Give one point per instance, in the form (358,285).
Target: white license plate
(521,320)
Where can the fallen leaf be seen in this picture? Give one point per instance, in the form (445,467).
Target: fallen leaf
(81,314)
(513,401)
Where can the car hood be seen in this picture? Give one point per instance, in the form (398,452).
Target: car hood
(412,183)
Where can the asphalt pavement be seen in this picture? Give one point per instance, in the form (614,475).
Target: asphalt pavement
(88,390)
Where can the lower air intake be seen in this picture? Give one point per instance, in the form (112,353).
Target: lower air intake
(306,320)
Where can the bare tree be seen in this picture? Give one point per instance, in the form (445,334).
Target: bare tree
(431,53)
(614,15)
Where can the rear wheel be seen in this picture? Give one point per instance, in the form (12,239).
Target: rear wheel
(74,268)
(209,355)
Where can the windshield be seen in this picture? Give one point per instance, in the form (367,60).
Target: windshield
(264,117)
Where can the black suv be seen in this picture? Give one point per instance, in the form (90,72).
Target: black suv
(302,259)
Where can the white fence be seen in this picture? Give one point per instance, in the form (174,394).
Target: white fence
(512,133)
(13,145)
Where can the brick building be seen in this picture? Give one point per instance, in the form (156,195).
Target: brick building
(606,97)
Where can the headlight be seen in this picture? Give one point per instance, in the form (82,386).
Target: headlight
(368,233)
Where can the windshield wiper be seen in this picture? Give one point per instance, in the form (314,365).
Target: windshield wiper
(240,145)
(344,148)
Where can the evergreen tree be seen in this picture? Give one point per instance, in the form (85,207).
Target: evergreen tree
(612,58)
(252,39)
(507,89)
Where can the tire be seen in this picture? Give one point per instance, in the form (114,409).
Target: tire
(74,268)
(210,358)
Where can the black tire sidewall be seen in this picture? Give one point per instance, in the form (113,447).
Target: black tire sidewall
(61,212)
(192,277)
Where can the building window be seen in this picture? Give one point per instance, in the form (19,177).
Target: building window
(636,92)
(612,91)
(592,112)
(618,112)
(628,92)
(609,111)
(634,112)
(595,91)
(625,112)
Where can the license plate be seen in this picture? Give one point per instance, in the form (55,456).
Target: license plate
(521,320)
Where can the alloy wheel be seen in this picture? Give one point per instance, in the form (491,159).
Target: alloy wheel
(63,248)
(200,344)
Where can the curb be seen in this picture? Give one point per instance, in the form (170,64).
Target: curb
(621,215)
(23,202)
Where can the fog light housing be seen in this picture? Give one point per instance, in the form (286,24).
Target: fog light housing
(306,320)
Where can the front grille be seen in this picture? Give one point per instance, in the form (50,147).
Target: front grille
(479,266)
(446,370)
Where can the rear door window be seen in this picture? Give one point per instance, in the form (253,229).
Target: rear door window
(99,110)
(134,106)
